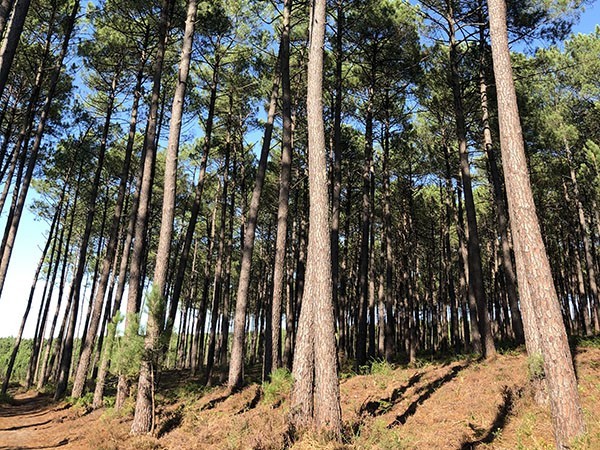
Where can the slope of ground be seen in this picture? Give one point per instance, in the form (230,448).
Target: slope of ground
(463,404)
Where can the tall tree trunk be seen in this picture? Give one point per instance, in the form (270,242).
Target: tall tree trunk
(143,420)
(218,280)
(476,288)
(15,350)
(316,394)
(223,346)
(533,268)
(196,205)
(585,234)
(387,250)
(337,172)
(11,40)
(236,366)
(284,190)
(24,188)
(108,261)
(501,214)
(44,369)
(66,356)
(123,266)
(361,338)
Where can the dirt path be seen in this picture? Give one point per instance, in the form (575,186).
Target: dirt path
(34,421)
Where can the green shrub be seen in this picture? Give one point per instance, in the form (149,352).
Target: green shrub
(128,349)
(280,385)
(535,366)
(381,367)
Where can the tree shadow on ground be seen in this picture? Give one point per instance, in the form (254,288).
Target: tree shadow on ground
(504,411)
(253,402)
(57,445)
(214,402)
(378,407)
(29,406)
(426,392)
(172,421)
(29,425)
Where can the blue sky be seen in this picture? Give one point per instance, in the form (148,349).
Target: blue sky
(32,232)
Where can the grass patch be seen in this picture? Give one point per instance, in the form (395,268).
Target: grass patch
(590,341)
(279,387)
(378,436)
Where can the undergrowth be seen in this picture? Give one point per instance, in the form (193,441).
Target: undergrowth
(6,399)
(280,385)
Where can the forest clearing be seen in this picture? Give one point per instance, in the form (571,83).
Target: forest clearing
(461,404)
(299,224)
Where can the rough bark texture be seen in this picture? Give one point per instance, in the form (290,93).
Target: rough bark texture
(316,395)
(530,253)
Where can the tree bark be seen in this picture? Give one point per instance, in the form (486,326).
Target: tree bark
(533,268)
(501,214)
(316,394)
(143,420)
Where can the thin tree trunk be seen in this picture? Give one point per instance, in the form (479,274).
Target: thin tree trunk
(218,279)
(24,188)
(585,234)
(284,192)
(66,356)
(476,288)
(361,338)
(337,173)
(107,263)
(11,41)
(196,205)
(123,266)
(44,371)
(501,214)
(236,366)
(5,10)
(13,355)
(143,420)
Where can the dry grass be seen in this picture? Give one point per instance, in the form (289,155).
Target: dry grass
(459,405)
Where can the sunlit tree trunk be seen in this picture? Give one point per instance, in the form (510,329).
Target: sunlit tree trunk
(316,394)
(143,420)
(533,268)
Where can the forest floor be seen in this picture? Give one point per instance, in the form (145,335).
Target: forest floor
(457,404)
